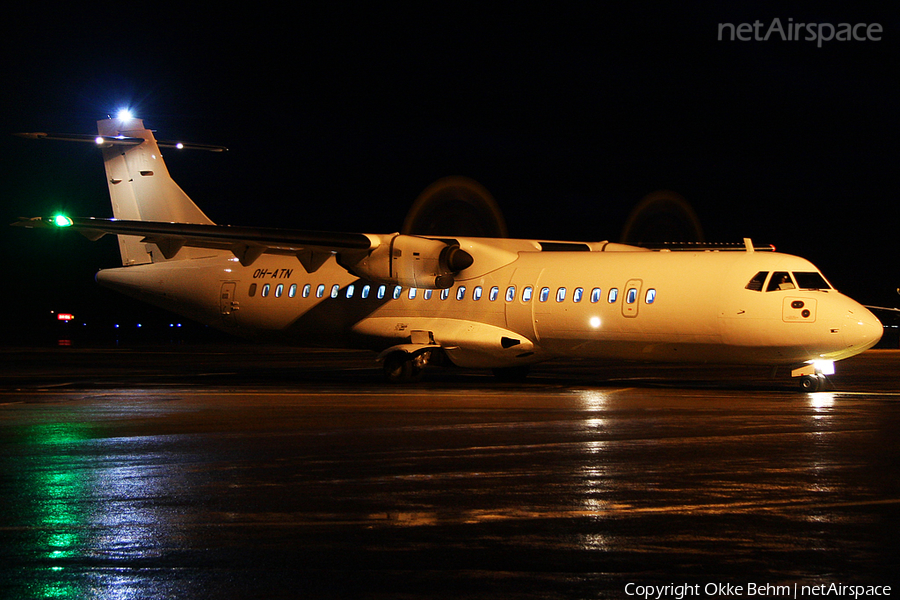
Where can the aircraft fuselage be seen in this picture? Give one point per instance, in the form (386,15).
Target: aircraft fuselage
(635,305)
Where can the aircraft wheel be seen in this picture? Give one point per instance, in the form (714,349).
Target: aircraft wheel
(400,367)
(511,374)
(812,383)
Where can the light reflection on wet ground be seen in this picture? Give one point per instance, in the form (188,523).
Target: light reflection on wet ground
(333,485)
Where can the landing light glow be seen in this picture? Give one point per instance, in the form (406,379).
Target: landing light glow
(124,115)
(825,367)
(595,322)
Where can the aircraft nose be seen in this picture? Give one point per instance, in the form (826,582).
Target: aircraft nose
(862,329)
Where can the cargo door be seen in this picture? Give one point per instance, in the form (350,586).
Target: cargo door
(227,303)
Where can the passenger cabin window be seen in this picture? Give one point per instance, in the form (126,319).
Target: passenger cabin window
(252,291)
(650,298)
(461,292)
(495,293)
(577,295)
(265,290)
(511,293)
(306,290)
(476,293)
(445,293)
(397,291)
(613,295)
(527,293)
(320,290)
(811,281)
(292,291)
(781,280)
(560,294)
(756,284)
(365,291)
(279,289)
(631,296)
(427,295)
(545,294)
(334,290)
(596,293)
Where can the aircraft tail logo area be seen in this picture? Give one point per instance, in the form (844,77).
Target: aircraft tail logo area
(141,189)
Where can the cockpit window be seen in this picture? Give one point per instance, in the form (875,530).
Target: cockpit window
(781,280)
(756,284)
(811,281)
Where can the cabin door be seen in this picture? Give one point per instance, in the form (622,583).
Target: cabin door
(520,308)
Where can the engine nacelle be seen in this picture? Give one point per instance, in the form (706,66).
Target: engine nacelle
(412,261)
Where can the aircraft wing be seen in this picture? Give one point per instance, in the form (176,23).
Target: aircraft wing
(247,243)
(410,261)
(882,308)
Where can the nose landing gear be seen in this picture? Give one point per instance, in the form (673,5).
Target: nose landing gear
(813,383)
(813,375)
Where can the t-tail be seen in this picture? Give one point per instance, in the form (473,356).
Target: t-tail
(141,189)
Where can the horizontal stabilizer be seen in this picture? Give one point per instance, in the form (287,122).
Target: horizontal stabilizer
(105,141)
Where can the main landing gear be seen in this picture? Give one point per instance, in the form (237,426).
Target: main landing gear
(403,367)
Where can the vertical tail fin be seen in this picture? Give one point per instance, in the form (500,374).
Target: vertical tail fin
(141,189)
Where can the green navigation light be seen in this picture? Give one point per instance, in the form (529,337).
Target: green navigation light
(62,221)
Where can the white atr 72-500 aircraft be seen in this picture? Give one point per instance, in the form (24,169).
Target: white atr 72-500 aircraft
(495,303)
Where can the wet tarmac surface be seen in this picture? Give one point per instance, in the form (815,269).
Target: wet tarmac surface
(198,472)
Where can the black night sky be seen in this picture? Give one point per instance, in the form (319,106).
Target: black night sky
(568,113)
